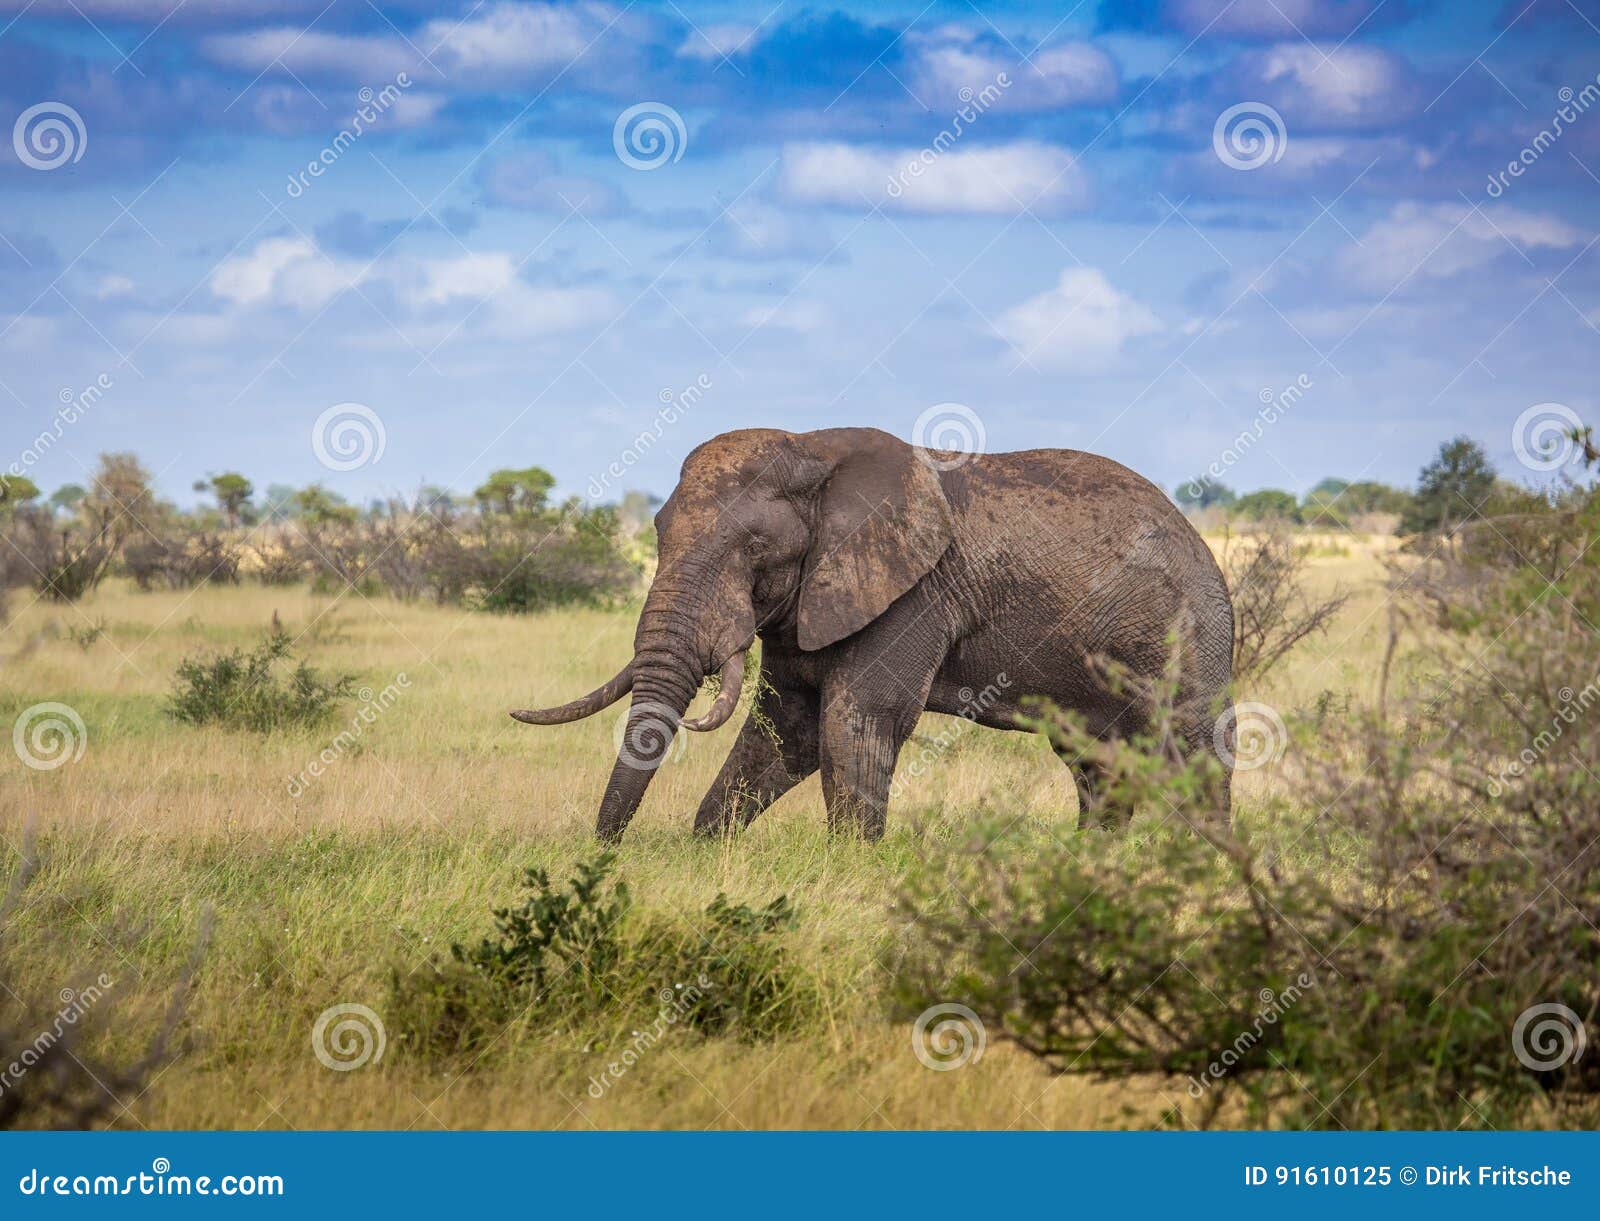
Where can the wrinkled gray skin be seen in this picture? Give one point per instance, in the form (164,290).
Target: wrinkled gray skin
(886,580)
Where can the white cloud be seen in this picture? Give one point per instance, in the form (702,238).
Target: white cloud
(801,317)
(1080,325)
(438,281)
(312,53)
(1341,87)
(998,179)
(1442,240)
(1270,18)
(284,271)
(441,299)
(1068,74)
(507,39)
(713,42)
(113,286)
(502,41)
(752,229)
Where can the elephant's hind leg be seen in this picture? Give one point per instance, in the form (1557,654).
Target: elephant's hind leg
(1095,809)
(1203,733)
(775,750)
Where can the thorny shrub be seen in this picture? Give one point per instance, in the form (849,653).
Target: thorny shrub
(1417,947)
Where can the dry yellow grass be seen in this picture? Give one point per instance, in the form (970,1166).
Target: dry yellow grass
(416,829)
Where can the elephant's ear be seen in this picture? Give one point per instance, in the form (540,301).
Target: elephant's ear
(882,523)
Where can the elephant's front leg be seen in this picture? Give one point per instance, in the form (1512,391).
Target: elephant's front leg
(776,750)
(863,728)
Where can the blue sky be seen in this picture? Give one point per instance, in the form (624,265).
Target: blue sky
(1085,260)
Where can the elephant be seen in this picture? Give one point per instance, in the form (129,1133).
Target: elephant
(884,580)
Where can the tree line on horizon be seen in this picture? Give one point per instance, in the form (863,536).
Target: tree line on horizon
(507,546)
(1458,485)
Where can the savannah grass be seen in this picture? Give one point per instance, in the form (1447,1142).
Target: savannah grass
(425,821)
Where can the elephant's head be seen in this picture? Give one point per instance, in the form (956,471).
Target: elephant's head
(805,536)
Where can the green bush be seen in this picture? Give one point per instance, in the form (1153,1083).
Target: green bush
(244,690)
(582,952)
(1412,942)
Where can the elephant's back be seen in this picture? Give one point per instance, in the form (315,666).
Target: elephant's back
(1046,491)
(1086,543)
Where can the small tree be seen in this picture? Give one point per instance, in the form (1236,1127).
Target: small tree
(16,490)
(318,507)
(1267,504)
(233,492)
(512,491)
(66,497)
(1451,489)
(1202,493)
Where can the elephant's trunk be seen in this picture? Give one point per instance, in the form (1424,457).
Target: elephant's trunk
(659,699)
